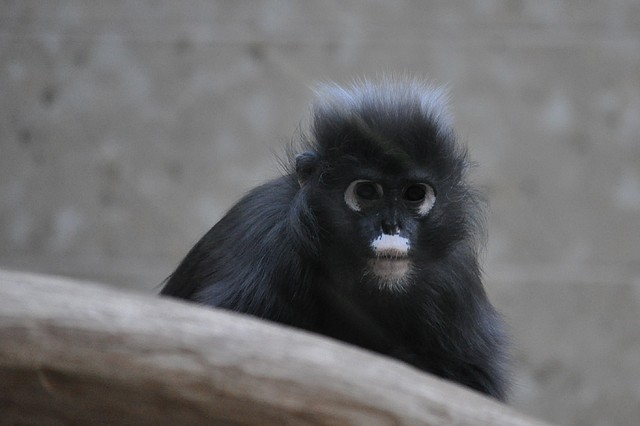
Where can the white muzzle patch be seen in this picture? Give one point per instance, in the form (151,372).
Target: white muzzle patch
(391,263)
(390,246)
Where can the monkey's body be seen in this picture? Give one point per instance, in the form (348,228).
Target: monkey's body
(370,238)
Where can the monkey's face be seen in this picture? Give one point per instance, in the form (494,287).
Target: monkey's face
(377,220)
(387,214)
(386,184)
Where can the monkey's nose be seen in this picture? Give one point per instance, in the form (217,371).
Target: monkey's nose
(390,227)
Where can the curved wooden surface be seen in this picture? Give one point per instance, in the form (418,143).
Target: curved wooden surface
(78,353)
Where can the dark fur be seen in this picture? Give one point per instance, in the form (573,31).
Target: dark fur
(290,251)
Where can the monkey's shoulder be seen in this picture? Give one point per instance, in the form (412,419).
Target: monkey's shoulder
(235,249)
(261,210)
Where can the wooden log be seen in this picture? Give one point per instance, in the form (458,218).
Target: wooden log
(79,353)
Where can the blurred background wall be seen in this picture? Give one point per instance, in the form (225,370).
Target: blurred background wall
(127,128)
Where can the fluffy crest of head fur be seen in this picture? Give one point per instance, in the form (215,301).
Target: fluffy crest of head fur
(392,122)
(395,96)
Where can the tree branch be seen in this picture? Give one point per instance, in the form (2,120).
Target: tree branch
(79,353)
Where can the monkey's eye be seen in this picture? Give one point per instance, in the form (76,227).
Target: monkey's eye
(420,196)
(415,193)
(368,191)
(360,192)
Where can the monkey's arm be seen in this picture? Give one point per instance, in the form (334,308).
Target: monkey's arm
(464,338)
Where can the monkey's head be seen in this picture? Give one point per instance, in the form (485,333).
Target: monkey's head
(386,180)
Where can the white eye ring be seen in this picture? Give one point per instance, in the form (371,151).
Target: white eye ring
(428,201)
(352,199)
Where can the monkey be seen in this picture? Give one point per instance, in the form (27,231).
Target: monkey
(371,236)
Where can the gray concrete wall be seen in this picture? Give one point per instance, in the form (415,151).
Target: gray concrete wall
(127,128)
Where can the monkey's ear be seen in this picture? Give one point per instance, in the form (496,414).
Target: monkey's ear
(306,164)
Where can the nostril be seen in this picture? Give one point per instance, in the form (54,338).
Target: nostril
(390,227)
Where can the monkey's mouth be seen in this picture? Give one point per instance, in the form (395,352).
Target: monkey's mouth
(390,254)
(393,256)
(389,267)
(390,261)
